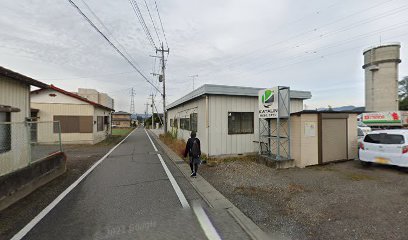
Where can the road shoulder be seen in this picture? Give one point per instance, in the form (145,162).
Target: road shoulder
(212,196)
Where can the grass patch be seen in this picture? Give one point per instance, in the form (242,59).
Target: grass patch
(117,135)
(121,131)
(177,145)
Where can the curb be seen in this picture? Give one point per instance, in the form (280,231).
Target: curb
(212,196)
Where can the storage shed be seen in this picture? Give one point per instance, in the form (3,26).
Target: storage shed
(224,117)
(323,137)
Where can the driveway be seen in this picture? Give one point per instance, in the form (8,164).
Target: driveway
(335,201)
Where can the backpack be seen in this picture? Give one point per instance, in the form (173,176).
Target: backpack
(195,149)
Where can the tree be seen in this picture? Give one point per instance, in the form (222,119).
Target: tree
(403,93)
(330,108)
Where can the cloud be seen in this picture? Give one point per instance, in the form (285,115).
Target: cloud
(312,45)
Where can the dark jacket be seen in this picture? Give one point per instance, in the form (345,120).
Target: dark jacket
(189,147)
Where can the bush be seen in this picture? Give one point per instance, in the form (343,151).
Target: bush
(177,145)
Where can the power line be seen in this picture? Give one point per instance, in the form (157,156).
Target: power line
(73,77)
(110,43)
(139,15)
(318,57)
(151,18)
(311,40)
(106,29)
(234,59)
(161,23)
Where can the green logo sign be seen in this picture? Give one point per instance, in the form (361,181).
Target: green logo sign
(268,98)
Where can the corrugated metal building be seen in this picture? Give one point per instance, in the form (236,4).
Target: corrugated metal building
(224,117)
(82,120)
(14,111)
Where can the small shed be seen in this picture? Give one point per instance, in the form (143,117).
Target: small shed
(323,137)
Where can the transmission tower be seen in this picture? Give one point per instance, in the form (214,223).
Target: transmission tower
(132,101)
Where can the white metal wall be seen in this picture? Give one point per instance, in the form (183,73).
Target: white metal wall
(219,141)
(16,94)
(184,110)
(215,139)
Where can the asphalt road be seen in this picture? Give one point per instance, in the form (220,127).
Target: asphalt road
(130,196)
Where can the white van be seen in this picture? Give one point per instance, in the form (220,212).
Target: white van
(385,147)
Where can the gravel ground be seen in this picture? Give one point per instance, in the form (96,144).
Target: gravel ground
(79,159)
(336,201)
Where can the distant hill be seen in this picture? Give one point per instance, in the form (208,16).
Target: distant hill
(343,108)
(140,115)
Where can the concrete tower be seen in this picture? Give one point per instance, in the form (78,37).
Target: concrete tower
(381,77)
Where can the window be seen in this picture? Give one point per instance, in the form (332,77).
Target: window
(74,124)
(240,122)
(171,122)
(185,123)
(175,123)
(5,132)
(99,123)
(106,120)
(384,138)
(193,122)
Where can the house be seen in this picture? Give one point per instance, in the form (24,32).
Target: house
(121,119)
(82,121)
(224,117)
(23,168)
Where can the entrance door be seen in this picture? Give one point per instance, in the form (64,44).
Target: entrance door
(334,140)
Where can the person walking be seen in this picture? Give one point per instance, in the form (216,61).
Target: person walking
(193,150)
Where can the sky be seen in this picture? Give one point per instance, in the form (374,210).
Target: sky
(314,45)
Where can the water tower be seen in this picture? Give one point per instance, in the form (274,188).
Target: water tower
(381,77)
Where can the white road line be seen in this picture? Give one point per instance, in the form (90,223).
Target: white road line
(46,210)
(205,222)
(155,148)
(173,182)
(202,217)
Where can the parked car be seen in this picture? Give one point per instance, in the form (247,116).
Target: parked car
(362,131)
(385,147)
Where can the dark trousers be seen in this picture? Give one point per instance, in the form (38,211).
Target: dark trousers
(193,165)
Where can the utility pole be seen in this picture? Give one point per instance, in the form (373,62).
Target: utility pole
(162,78)
(152,105)
(146,110)
(193,77)
(132,101)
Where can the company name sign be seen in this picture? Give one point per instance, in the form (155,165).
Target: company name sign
(268,103)
(274,102)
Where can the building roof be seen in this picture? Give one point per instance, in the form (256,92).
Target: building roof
(74,96)
(21,78)
(211,89)
(121,113)
(121,119)
(325,111)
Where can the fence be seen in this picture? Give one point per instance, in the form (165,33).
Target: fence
(22,143)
